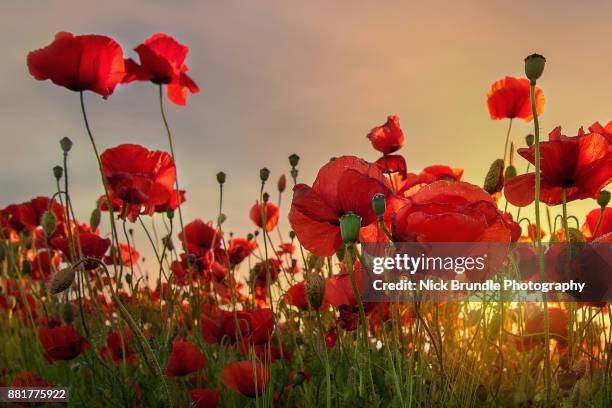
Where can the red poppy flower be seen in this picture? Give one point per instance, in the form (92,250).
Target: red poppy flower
(344,185)
(557,323)
(389,137)
(270,213)
(240,248)
(392,164)
(200,237)
(30,380)
(139,176)
(509,98)
(126,255)
(331,336)
(296,296)
(447,211)
(119,347)
(62,343)
(28,215)
(581,164)
(162,61)
(592,219)
(184,359)
(246,377)
(92,246)
(286,248)
(80,63)
(173,202)
(413,182)
(205,398)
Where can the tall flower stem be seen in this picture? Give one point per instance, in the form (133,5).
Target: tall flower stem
(547,372)
(507,141)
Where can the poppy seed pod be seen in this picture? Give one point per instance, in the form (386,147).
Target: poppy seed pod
(67,312)
(282,183)
(62,280)
(264,173)
(292,235)
(315,290)
(294,159)
(603,199)
(510,172)
(66,144)
(170,214)
(58,172)
(378,205)
(350,224)
(220,177)
(94,219)
(530,140)
(49,223)
(534,66)
(494,179)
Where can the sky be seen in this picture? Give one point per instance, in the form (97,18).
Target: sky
(311,78)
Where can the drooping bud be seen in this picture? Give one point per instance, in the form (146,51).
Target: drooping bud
(264,173)
(529,140)
(62,280)
(67,312)
(494,179)
(58,172)
(379,205)
(350,224)
(66,144)
(604,198)
(294,159)
(510,173)
(221,219)
(94,219)
(282,183)
(315,290)
(220,177)
(49,223)
(534,66)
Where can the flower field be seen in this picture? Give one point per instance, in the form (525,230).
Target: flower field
(273,317)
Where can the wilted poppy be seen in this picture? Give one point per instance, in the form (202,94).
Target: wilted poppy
(389,137)
(268,212)
(162,61)
(185,358)
(138,176)
(347,184)
(246,377)
(80,63)
(509,98)
(582,165)
(62,343)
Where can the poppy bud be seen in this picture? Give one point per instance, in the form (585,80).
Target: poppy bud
(62,280)
(510,173)
(128,278)
(170,214)
(298,378)
(294,159)
(282,183)
(294,173)
(249,237)
(378,205)
(167,241)
(221,219)
(566,379)
(266,197)
(534,66)
(66,144)
(58,172)
(315,290)
(67,312)
(94,219)
(49,223)
(494,179)
(350,225)
(264,173)
(26,267)
(220,177)
(603,199)
(530,140)
(481,393)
